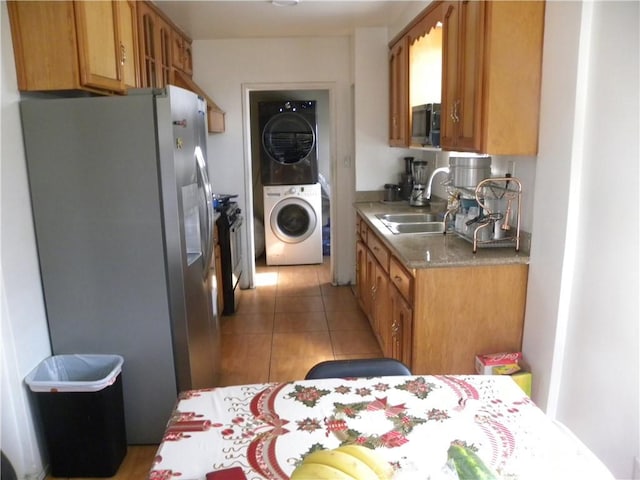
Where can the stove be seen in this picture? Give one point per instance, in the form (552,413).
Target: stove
(230,223)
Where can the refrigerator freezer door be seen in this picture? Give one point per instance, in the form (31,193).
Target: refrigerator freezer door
(197,354)
(96,201)
(107,177)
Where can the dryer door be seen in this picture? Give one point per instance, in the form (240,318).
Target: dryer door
(288,138)
(293,220)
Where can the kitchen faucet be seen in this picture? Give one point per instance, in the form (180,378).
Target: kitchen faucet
(427,193)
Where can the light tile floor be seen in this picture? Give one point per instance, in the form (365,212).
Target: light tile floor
(292,320)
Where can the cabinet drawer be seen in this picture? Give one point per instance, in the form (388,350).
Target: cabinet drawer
(401,279)
(379,250)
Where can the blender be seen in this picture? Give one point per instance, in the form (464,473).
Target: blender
(406,180)
(420,174)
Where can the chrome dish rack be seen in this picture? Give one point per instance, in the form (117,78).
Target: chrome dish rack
(499,208)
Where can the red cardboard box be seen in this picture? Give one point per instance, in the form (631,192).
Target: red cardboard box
(486,363)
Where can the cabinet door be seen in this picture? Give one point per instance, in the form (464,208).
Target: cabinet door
(99,50)
(401,327)
(155,48)
(463,50)
(470,61)
(128,42)
(370,272)
(399,94)
(449,74)
(147,28)
(381,318)
(187,63)
(181,53)
(361,276)
(163,44)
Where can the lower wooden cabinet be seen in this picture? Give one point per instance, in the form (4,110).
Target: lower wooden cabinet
(436,320)
(376,294)
(401,327)
(462,312)
(380,316)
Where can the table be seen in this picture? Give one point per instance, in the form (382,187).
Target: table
(266,429)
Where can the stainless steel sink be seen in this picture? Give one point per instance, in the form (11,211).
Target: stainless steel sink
(399,223)
(408,217)
(421,227)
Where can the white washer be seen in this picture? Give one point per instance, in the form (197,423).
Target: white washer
(293,224)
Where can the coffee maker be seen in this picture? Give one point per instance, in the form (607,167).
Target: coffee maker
(420,174)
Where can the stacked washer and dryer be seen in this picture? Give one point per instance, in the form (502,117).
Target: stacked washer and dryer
(292,194)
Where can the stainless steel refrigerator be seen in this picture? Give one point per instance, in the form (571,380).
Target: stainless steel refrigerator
(124,222)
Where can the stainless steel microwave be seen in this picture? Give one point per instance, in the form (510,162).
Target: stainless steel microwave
(425,124)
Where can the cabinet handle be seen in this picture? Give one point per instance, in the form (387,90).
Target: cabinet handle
(455,111)
(398,278)
(394,328)
(123,54)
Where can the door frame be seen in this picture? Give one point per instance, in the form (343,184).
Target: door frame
(247,89)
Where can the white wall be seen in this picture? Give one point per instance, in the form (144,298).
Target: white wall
(376,162)
(581,328)
(225,67)
(23,327)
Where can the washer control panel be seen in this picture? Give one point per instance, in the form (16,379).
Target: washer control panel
(292,190)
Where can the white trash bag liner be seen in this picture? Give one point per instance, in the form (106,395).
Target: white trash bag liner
(75,373)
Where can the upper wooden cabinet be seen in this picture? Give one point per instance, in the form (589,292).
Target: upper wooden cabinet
(155,47)
(165,57)
(127,22)
(181,52)
(425,58)
(104,47)
(492,63)
(399,93)
(403,82)
(74,45)
(491,68)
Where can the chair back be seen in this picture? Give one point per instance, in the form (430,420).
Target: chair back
(362,367)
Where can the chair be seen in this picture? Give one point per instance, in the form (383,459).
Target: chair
(363,367)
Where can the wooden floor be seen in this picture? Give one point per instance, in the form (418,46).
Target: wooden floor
(292,320)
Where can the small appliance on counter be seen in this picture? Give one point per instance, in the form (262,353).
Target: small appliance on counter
(420,174)
(406,179)
(391,192)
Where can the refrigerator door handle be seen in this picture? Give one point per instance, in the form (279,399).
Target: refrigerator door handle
(208,200)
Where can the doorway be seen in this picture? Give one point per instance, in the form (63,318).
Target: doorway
(322,95)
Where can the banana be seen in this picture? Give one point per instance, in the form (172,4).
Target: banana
(317,471)
(342,461)
(379,465)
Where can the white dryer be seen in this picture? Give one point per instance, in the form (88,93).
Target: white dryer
(293,224)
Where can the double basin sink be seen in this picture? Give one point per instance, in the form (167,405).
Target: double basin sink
(399,223)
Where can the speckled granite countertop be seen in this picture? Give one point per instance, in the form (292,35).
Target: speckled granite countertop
(435,251)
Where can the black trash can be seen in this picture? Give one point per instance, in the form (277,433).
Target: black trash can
(80,401)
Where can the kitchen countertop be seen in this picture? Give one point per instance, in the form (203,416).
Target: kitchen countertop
(439,250)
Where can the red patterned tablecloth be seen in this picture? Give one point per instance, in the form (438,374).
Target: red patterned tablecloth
(266,429)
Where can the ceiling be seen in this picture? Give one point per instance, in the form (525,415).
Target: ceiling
(254,19)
